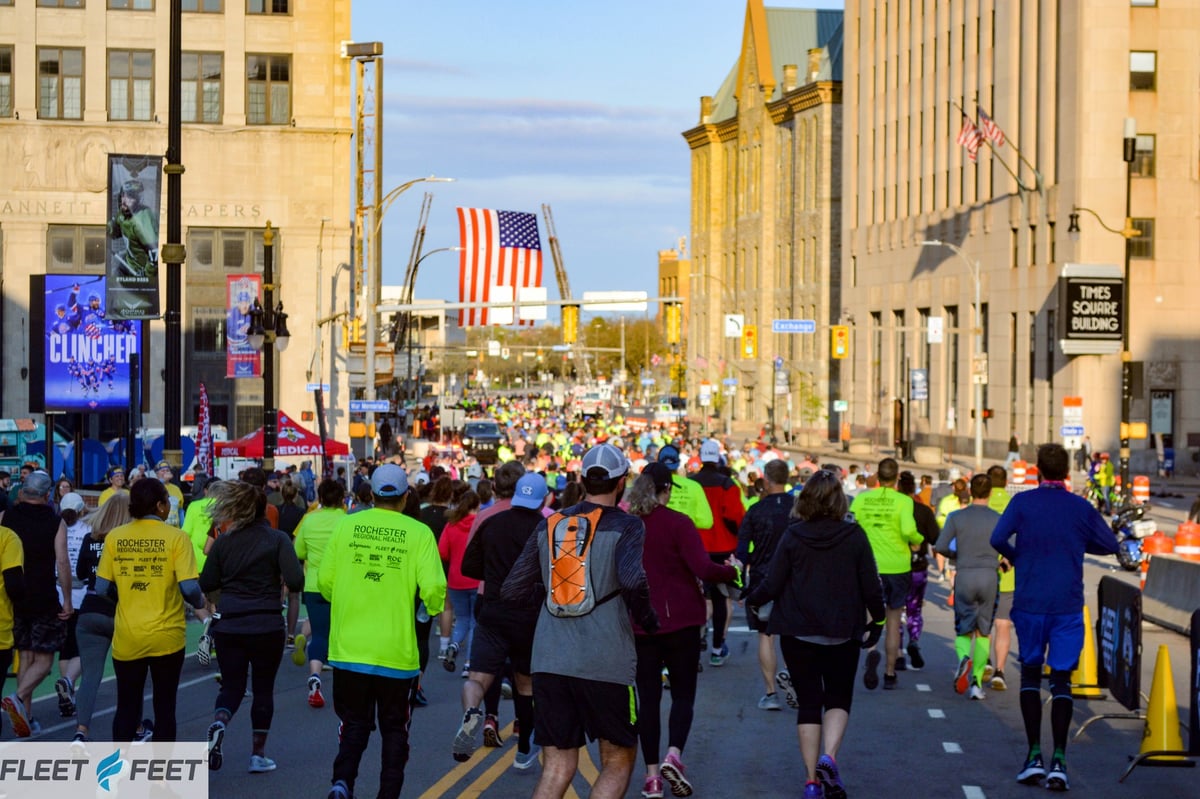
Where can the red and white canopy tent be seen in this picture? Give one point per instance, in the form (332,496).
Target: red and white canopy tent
(291,440)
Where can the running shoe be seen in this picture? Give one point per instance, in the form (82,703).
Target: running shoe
(889,682)
(1056,779)
(784,681)
(216,735)
(666,679)
(464,739)
(769,702)
(339,790)
(506,690)
(653,789)
(813,790)
(66,697)
(871,672)
(950,599)
(466,670)
(916,660)
(717,658)
(315,698)
(527,760)
(300,652)
(988,671)
(79,744)
(998,682)
(673,772)
(975,691)
(449,658)
(144,733)
(901,665)
(15,708)
(491,731)
(962,675)
(261,764)
(204,648)
(1033,771)
(418,698)
(830,779)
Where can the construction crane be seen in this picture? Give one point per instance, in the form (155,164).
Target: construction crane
(564,287)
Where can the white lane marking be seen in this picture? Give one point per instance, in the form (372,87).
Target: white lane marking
(973,792)
(936,713)
(923,688)
(952,748)
(113,709)
(740,630)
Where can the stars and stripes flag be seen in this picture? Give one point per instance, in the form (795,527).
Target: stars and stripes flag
(991,131)
(970,137)
(204,439)
(501,254)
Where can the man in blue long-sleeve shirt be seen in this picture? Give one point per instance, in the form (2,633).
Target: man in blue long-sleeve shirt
(1045,533)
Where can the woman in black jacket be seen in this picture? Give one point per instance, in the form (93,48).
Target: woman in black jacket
(824,583)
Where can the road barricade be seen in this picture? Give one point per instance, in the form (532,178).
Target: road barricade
(1172,591)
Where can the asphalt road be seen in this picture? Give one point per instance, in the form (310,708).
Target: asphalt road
(920,740)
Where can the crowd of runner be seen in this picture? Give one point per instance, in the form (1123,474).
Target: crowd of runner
(592,566)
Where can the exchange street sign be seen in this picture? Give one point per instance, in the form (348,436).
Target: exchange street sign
(1068,430)
(793,326)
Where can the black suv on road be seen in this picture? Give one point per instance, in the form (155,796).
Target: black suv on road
(481,438)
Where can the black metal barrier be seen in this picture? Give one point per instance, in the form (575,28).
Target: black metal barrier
(1119,648)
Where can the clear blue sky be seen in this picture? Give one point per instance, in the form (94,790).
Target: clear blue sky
(576,104)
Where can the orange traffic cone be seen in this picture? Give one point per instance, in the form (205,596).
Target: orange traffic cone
(1162,717)
(1085,679)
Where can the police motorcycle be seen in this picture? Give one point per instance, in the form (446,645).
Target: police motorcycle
(1130,526)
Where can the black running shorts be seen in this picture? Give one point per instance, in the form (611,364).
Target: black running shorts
(501,636)
(895,589)
(572,711)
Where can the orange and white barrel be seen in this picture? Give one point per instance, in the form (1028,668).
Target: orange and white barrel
(1157,544)
(1019,469)
(1187,541)
(1141,489)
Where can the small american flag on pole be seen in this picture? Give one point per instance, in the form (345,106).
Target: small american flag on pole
(991,131)
(502,253)
(970,137)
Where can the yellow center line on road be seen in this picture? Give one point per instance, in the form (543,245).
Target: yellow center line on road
(486,779)
(586,767)
(455,774)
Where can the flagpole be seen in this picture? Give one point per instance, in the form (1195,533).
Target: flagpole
(992,147)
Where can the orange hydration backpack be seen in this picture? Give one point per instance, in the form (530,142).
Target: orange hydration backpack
(571,592)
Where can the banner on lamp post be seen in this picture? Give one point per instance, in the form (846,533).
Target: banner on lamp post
(131,252)
(241,359)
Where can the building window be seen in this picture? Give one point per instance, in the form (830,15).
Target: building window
(131,85)
(1142,245)
(1052,244)
(75,248)
(1142,67)
(203,6)
(201,87)
(1033,245)
(953,356)
(266,6)
(1016,246)
(227,249)
(135,5)
(60,83)
(208,333)
(269,89)
(60,3)
(6,55)
(1143,3)
(1143,158)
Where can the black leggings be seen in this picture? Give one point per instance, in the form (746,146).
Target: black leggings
(822,675)
(131,682)
(720,604)
(258,654)
(677,651)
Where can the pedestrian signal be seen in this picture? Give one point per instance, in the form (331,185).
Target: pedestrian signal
(839,346)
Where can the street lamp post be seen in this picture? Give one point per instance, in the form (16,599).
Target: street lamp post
(404,335)
(173,252)
(376,278)
(722,389)
(977,331)
(1129,233)
(268,332)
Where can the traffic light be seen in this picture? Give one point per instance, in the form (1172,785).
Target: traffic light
(988,413)
(674,322)
(750,342)
(839,343)
(570,324)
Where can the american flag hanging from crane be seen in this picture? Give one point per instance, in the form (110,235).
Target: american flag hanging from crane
(502,253)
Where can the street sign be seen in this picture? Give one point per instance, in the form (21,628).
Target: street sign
(1071,430)
(561,348)
(841,406)
(729,381)
(778,362)
(734,322)
(647,381)
(935,330)
(918,384)
(793,326)
(781,382)
(979,369)
(370,406)
(316,386)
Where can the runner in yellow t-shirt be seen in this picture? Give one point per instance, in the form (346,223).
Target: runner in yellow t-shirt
(152,568)
(116,482)
(12,586)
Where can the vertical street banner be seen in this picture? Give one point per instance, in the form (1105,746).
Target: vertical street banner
(83,354)
(204,439)
(131,257)
(241,359)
